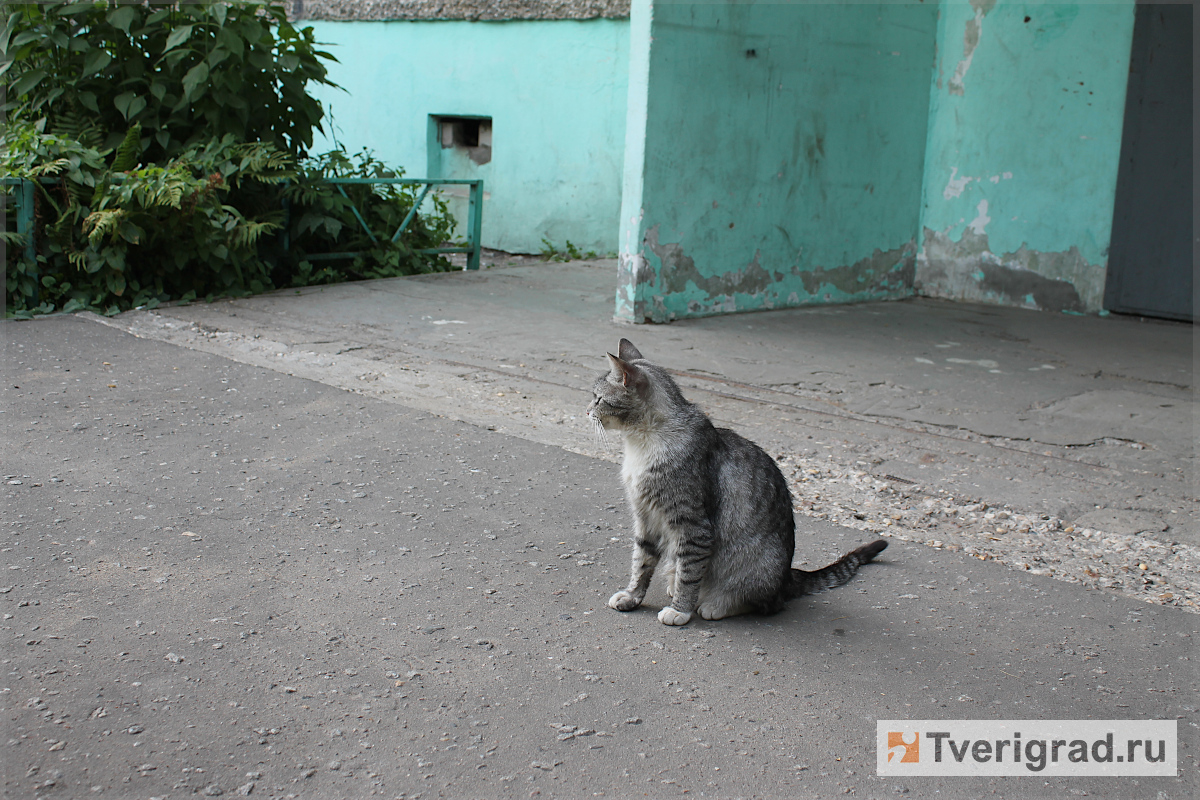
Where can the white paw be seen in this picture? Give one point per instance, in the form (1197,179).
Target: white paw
(711,611)
(623,601)
(669,616)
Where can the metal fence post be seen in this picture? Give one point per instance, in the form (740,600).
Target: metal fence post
(27,227)
(475,222)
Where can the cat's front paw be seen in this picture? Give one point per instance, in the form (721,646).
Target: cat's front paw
(669,616)
(624,600)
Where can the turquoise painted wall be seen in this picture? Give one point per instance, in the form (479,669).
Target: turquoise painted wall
(774,155)
(1026,113)
(555,90)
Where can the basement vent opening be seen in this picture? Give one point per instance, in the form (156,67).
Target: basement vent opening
(472,135)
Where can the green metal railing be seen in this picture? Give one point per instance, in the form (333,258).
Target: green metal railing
(26,226)
(474,214)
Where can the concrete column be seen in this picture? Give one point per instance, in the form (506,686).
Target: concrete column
(631,275)
(773,155)
(1026,112)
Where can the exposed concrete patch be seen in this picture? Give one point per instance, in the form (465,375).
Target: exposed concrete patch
(970,42)
(979,224)
(1016,285)
(473,10)
(882,275)
(971,34)
(678,269)
(956,184)
(967,269)
(884,271)
(631,267)
(1066,266)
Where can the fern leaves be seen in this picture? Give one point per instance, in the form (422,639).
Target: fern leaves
(126,157)
(248,231)
(81,127)
(100,224)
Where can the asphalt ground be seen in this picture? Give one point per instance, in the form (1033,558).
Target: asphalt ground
(223,579)
(1055,444)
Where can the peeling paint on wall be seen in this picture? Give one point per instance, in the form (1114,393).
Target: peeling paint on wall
(1017,286)
(813,154)
(971,33)
(954,186)
(979,224)
(1020,171)
(669,284)
(883,273)
(678,269)
(630,306)
(794,177)
(967,270)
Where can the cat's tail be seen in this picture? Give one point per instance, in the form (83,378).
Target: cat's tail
(837,573)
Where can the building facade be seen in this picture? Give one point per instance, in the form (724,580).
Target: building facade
(750,155)
(528,96)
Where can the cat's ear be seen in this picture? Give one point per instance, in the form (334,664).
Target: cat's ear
(627,351)
(618,366)
(631,377)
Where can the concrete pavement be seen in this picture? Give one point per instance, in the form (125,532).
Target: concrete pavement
(1053,443)
(225,579)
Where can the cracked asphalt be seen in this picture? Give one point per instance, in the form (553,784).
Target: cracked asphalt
(222,579)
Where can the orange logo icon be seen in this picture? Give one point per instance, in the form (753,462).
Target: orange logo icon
(905,745)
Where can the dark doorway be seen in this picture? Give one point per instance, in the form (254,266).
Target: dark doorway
(1150,270)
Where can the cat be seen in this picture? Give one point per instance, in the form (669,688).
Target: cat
(709,506)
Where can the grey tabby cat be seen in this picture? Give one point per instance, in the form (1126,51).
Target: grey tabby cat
(709,505)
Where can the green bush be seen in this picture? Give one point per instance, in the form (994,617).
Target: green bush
(110,239)
(169,148)
(187,73)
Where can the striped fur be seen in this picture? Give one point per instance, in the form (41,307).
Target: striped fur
(710,508)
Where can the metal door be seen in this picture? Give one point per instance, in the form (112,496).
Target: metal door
(1150,269)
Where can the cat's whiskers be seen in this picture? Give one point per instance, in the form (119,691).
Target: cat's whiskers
(598,431)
